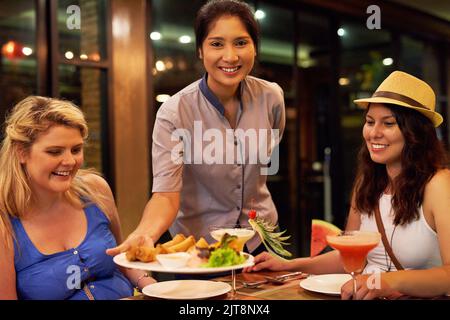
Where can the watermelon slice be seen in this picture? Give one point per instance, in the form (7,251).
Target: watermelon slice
(319,231)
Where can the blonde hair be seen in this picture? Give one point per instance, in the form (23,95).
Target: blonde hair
(32,116)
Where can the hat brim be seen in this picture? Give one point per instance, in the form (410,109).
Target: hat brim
(435,117)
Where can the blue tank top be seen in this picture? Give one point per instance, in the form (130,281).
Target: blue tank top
(62,275)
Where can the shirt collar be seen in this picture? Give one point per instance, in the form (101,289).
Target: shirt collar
(211,97)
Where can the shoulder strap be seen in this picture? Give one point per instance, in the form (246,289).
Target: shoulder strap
(88,292)
(386,244)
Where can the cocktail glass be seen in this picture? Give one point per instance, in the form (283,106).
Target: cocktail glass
(243,234)
(353,247)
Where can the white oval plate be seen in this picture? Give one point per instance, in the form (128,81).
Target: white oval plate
(186,289)
(155,266)
(326,283)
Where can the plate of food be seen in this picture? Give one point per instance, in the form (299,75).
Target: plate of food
(326,283)
(185,255)
(186,289)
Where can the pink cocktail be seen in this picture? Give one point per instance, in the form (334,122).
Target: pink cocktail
(353,247)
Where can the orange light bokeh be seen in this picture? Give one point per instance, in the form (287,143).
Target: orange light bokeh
(12,50)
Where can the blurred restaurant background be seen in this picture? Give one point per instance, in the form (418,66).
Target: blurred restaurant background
(126,57)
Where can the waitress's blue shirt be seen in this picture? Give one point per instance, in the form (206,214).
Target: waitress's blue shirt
(57,276)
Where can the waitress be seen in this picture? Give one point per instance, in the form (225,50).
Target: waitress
(207,136)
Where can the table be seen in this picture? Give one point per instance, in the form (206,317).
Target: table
(289,290)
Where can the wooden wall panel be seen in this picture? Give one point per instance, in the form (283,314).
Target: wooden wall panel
(130,107)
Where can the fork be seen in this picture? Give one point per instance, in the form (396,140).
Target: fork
(276,280)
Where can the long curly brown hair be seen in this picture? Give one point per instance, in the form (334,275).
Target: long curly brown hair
(422,156)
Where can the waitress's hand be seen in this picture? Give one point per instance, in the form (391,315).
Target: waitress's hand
(134,239)
(366,288)
(266,261)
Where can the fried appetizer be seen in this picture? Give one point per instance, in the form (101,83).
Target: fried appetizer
(131,253)
(142,253)
(202,244)
(146,254)
(176,240)
(179,243)
(162,249)
(183,246)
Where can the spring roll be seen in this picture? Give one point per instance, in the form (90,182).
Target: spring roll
(182,246)
(176,240)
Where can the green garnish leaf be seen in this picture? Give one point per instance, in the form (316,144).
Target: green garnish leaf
(273,241)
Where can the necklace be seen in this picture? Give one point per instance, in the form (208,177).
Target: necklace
(389,264)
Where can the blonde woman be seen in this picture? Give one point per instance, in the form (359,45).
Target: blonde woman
(56,220)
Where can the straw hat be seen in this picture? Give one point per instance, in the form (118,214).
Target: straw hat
(404,90)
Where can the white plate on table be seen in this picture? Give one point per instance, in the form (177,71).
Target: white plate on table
(326,283)
(186,289)
(155,266)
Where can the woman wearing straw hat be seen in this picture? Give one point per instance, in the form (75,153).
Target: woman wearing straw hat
(403,179)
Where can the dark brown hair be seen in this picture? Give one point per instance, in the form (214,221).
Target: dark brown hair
(422,156)
(215,9)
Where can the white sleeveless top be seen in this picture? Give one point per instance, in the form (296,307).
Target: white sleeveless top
(415,245)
